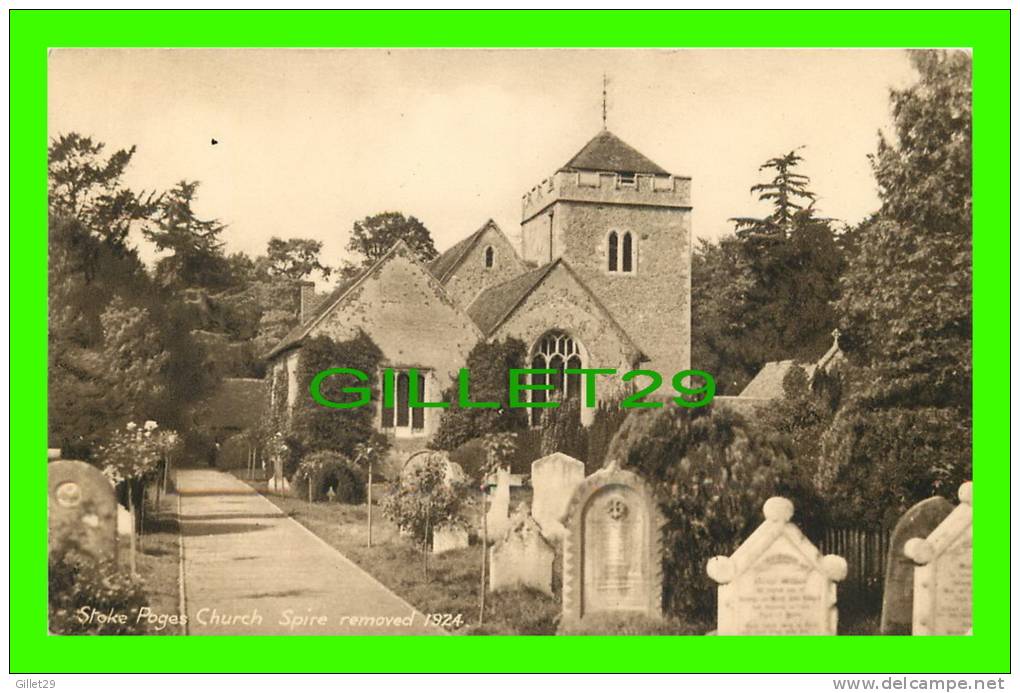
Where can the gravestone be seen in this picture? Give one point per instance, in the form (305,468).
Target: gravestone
(777,582)
(497,518)
(82,509)
(522,558)
(942,576)
(898,591)
(612,548)
(553,480)
(449,539)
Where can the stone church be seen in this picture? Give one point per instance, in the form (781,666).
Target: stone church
(602,280)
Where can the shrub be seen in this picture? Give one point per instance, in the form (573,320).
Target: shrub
(562,431)
(712,472)
(328,469)
(879,463)
(489,364)
(77,581)
(425,498)
(322,428)
(606,422)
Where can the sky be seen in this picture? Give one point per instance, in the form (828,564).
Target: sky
(309,141)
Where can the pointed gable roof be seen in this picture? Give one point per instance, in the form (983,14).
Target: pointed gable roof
(298,333)
(607,152)
(444,265)
(493,306)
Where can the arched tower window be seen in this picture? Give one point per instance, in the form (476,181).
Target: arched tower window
(490,257)
(556,350)
(627,261)
(621,252)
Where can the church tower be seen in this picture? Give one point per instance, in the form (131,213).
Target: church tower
(623,224)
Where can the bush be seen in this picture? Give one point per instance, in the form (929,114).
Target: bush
(878,463)
(329,469)
(489,364)
(606,422)
(712,472)
(424,498)
(77,581)
(562,431)
(322,428)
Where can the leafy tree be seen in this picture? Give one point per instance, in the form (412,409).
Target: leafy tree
(804,413)
(196,252)
(134,360)
(294,258)
(89,209)
(373,236)
(488,364)
(904,432)
(91,264)
(721,281)
(321,428)
(766,293)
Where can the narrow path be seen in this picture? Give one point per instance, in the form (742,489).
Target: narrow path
(251,570)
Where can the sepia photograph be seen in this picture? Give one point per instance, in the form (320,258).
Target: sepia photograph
(509,342)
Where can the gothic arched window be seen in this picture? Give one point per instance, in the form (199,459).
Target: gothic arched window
(613,250)
(490,257)
(627,260)
(556,350)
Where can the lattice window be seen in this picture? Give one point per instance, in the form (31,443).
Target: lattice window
(558,351)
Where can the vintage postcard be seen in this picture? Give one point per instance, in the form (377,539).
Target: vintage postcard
(510,342)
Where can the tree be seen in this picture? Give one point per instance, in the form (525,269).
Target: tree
(373,236)
(91,264)
(488,364)
(88,206)
(134,360)
(294,258)
(766,293)
(788,193)
(316,427)
(721,281)
(904,432)
(196,252)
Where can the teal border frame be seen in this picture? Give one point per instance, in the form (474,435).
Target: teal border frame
(32,32)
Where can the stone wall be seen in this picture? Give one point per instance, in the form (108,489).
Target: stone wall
(559,303)
(471,276)
(407,314)
(653,303)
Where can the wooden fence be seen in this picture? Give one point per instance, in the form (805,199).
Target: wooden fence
(866,552)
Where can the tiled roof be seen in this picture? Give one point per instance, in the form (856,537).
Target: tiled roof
(607,152)
(768,383)
(496,302)
(443,265)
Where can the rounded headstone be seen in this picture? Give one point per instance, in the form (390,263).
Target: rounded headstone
(778,509)
(82,509)
(966,493)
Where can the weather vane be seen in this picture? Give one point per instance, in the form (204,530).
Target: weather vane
(605,99)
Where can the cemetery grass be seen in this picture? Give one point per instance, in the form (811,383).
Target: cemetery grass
(453,580)
(158,559)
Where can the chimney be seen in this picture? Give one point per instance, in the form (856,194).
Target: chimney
(307,302)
